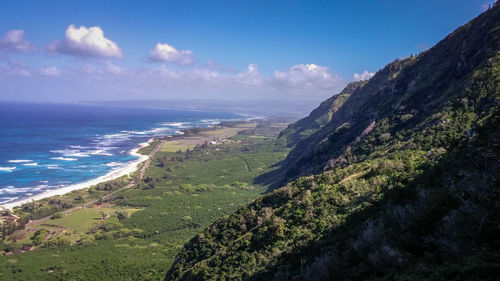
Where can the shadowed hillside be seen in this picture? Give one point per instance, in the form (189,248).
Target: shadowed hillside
(410,90)
(400,184)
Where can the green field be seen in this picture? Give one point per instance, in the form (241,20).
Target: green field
(82,220)
(209,135)
(174,146)
(181,194)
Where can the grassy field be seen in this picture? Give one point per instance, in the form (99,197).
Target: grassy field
(180,195)
(174,146)
(82,220)
(188,142)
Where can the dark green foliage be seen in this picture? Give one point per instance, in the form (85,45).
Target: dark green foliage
(401,184)
(55,242)
(406,218)
(187,196)
(121,215)
(442,89)
(39,237)
(56,216)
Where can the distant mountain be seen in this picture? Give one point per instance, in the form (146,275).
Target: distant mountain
(401,182)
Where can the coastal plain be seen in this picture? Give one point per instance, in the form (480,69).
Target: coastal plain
(134,233)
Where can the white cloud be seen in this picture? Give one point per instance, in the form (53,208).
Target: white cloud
(11,67)
(49,71)
(14,68)
(249,77)
(114,69)
(163,52)
(86,42)
(101,68)
(103,79)
(299,80)
(365,75)
(308,79)
(89,69)
(14,41)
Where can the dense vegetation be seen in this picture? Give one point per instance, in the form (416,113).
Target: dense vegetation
(407,96)
(136,233)
(400,184)
(396,178)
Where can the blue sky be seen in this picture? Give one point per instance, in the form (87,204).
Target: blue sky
(210,49)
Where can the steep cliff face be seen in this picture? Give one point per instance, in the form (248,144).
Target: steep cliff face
(318,118)
(417,86)
(401,183)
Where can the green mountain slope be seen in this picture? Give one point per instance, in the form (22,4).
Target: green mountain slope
(411,90)
(318,118)
(401,183)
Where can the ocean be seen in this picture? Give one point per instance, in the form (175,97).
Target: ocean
(46,147)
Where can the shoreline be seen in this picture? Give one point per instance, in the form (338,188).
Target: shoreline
(113,174)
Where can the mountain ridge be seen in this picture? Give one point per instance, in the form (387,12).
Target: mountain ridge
(319,117)
(455,61)
(400,184)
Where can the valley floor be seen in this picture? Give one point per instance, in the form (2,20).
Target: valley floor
(134,233)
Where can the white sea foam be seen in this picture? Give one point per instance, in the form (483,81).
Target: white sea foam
(175,124)
(114,164)
(9,199)
(154,131)
(108,140)
(7,169)
(84,151)
(211,121)
(79,147)
(52,166)
(31,164)
(11,190)
(134,132)
(115,173)
(101,152)
(64,159)
(70,153)
(20,161)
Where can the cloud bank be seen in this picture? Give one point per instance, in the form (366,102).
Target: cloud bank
(298,81)
(14,41)
(98,79)
(86,42)
(103,80)
(49,71)
(163,52)
(308,79)
(365,75)
(11,67)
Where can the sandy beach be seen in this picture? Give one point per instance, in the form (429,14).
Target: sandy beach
(116,173)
